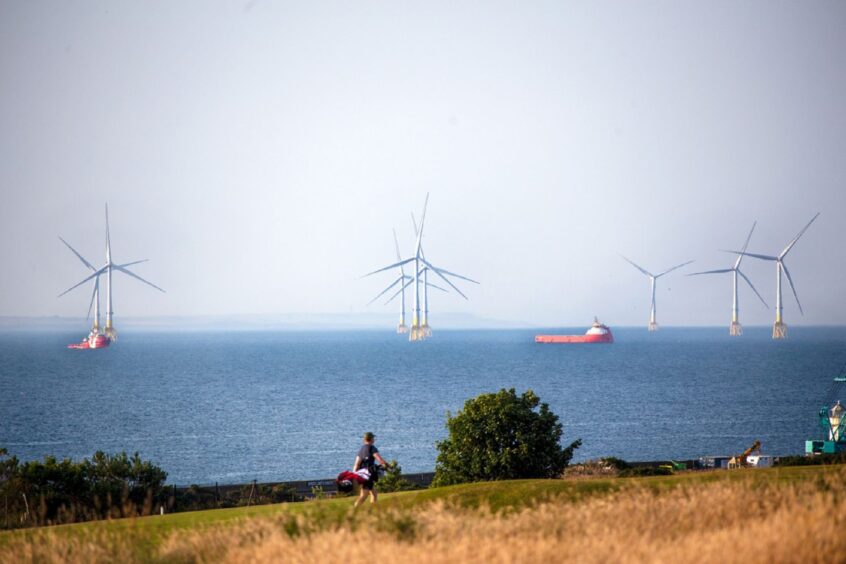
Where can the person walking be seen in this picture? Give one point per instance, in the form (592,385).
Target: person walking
(367,457)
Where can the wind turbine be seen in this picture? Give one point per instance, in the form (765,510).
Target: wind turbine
(404,280)
(418,332)
(107,269)
(95,295)
(779,327)
(736,329)
(653,324)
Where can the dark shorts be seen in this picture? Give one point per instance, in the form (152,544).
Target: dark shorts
(368,485)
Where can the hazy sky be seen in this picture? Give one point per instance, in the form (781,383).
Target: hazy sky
(259,153)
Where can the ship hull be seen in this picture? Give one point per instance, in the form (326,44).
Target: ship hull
(98,342)
(575,339)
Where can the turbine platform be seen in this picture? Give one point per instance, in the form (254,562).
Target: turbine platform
(736,329)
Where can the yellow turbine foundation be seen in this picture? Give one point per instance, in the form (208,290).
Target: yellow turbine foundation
(779,327)
(736,329)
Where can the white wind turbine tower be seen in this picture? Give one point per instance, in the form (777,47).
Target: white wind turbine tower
(107,269)
(427,331)
(736,328)
(779,327)
(653,324)
(418,332)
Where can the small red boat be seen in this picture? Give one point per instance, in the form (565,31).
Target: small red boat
(598,333)
(95,340)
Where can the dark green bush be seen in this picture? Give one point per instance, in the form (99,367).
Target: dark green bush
(502,436)
(393,480)
(640,471)
(817,459)
(58,491)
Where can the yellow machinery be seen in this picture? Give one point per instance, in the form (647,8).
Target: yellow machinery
(740,461)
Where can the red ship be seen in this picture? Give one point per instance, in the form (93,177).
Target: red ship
(94,340)
(598,333)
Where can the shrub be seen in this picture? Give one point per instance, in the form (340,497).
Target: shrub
(56,491)
(393,480)
(837,458)
(502,436)
(640,471)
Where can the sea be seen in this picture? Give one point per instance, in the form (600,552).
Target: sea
(232,407)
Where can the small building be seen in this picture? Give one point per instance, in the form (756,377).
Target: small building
(714,461)
(760,460)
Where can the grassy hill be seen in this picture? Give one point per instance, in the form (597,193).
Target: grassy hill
(698,514)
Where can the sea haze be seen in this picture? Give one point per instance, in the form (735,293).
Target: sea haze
(276,405)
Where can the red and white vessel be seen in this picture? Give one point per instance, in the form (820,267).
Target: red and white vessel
(598,333)
(94,340)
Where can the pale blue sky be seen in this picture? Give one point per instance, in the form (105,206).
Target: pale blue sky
(260,153)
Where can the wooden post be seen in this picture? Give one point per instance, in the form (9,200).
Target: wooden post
(252,489)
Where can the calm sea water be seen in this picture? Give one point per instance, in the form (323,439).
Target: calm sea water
(232,407)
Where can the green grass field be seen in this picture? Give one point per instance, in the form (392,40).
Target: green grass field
(504,496)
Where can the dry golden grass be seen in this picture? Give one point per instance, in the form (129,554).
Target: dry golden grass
(726,521)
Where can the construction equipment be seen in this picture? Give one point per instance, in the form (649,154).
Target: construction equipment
(674,466)
(741,461)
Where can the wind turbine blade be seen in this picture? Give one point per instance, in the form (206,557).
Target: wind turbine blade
(399,256)
(398,292)
(436,287)
(96,273)
(130,273)
(382,293)
(133,262)
(390,266)
(414,223)
(722,270)
(792,287)
(422,223)
(746,244)
(754,289)
(108,236)
(447,272)
(93,295)
(793,242)
(396,244)
(79,256)
(445,279)
(757,256)
(674,268)
(636,266)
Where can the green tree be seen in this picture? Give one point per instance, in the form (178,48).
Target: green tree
(502,436)
(393,480)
